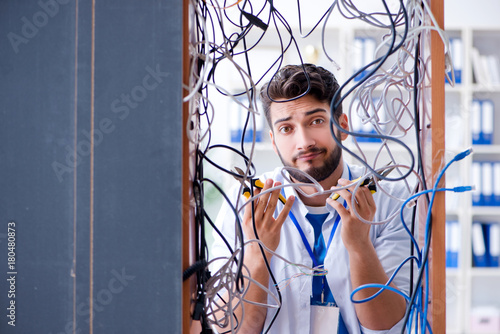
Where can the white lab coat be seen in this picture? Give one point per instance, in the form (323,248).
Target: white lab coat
(391,242)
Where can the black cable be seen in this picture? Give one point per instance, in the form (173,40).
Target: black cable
(338,98)
(419,277)
(249,71)
(377,62)
(268,266)
(233,41)
(227,171)
(418,283)
(239,230)
(250,165)
(207,217)
(201,252)
(416,124)
(317,23)
(194,268)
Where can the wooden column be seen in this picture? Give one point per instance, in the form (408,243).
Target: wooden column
(188,228)
(438,261)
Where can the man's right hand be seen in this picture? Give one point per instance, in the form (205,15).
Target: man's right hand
(267,227)
(268,231)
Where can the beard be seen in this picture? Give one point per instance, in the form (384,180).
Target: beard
(319,173)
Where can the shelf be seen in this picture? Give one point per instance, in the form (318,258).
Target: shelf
(486,149)
(262,146)
(475,286)
(452,330)
(458,88)
(452,213)
(485,88)
(452,272)
(486,211)
(485,272)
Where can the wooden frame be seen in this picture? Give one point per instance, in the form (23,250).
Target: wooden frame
(438,261)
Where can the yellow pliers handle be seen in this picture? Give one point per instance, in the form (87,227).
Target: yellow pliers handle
(368,181)
(259,184)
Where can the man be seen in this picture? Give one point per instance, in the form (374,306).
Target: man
(317,230)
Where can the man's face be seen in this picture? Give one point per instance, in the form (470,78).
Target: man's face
(302,138)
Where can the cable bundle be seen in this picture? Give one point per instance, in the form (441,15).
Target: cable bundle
(225,37)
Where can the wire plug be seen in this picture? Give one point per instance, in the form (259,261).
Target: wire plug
(462,189)
(255,20)
(206,330)
(463,154)
(198,308)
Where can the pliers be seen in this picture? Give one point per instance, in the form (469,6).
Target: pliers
(369,182)
(257,183)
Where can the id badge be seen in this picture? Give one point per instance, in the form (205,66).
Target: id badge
(324,319)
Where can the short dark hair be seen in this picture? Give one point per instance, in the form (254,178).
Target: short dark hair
(291,81)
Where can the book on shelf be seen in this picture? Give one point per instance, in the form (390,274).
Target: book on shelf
(237,118)
(486,179)
(452,243)
(363,54)
(486,68)
(362,119)
(485,244)
(482,123)
(456,52)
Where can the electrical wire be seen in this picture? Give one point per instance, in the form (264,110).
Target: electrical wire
(225,33)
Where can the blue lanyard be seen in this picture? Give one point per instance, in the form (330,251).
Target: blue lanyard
(303,236)
(304,239)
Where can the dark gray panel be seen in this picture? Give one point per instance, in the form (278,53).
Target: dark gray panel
(45,165)
(36,124)
(137,187)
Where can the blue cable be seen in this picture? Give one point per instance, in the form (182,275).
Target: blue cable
(434,190)
(455,189)
(457,157)
(418,299)
(382,286)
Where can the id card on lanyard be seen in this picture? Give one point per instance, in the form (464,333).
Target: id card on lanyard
(324,319)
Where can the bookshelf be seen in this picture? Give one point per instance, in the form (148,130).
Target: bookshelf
(473,300)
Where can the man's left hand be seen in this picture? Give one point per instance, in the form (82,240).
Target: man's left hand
(354,232)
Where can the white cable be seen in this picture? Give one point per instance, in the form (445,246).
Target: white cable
(392,84)
(223,281)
